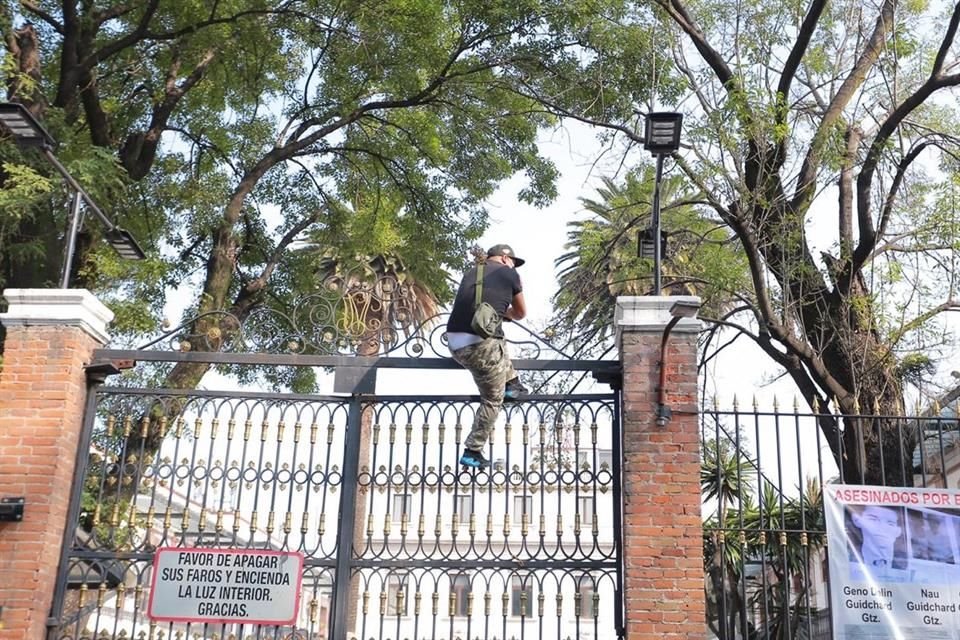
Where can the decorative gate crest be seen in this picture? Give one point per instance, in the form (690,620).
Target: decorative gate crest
(348,316)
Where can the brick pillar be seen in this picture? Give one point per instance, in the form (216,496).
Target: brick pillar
(50,337)
(663,533)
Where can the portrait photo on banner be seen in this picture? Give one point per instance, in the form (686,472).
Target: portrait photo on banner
(902,543)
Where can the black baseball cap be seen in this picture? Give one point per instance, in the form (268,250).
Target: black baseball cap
(505,250)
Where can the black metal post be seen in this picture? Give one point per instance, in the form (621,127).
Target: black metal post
(656,226)
(619,614)
(346,521)
(62,170)
(73,510)
(76,215)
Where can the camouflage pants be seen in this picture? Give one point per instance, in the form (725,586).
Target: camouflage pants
(489,363)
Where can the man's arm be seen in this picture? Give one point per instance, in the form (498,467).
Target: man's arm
(517,309)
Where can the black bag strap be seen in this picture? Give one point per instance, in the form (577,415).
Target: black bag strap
(478,298)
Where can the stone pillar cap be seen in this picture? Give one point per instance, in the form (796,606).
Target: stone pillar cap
(650,314)
(59,308)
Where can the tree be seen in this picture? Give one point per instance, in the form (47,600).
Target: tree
(233,126)
(601,262)
(381,298)
(820,134)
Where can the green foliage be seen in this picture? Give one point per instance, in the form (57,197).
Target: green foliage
(412,112)
(757,526)
(24,189)
(602,263)
(22,185)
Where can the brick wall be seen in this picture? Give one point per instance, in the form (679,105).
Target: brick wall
(42,394)
(663,543)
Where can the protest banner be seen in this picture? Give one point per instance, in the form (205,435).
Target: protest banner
(894,562)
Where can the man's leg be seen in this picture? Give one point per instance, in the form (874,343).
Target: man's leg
(514,389)
(509,373)
(487,361)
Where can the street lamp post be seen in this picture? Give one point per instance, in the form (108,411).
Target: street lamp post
(661,138)
(28,133)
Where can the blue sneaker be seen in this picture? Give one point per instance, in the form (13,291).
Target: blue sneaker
(514,390)
(473,459)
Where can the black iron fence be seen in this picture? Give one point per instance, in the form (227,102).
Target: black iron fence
(762,480)
(398,540)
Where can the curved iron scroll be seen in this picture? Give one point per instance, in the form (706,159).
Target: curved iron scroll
(365,321)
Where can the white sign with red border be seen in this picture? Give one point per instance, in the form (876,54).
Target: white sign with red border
(225,585)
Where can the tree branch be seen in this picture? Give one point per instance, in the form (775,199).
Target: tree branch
(260,282)
(806,180)
(852,139)
(949,305)
(868,234)
(679,14)
(128,40)
(43,15)
(804,35)
(139,149)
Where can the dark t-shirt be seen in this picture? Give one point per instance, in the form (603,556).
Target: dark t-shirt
(500,284)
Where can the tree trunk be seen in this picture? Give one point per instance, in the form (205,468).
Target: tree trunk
(877,443)
(24,85)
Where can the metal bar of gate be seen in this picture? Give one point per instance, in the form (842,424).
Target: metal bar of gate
(348,504)
(619,613)
(73,511)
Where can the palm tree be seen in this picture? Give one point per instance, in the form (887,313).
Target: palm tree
(601,261)
(380,301)
(762,530)
(723,482)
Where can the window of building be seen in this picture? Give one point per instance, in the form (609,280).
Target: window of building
(460,589)
(464,508)
(522,505)
(587,589)
(401,506)
(397,592)
(603,457)
(585,507)
(521,596)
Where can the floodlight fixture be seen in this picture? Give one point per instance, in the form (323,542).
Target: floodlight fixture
(662,132)
(17,120)
(124,244)
(645,242)
(661,137)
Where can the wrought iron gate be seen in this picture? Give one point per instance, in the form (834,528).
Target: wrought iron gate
(363,485)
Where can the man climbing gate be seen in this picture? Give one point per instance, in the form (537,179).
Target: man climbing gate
(489,293)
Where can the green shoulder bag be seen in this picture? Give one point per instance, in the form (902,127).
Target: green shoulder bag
(486,321)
